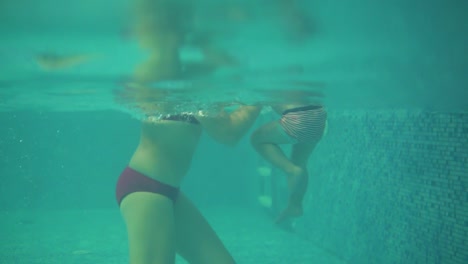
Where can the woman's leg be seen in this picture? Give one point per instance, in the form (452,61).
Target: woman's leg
(151,228)
(197,242)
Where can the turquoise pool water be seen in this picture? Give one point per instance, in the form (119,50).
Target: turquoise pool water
(388,182)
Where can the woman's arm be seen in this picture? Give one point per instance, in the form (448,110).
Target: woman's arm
(229,128)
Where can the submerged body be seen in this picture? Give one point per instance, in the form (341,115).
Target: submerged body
(161,221)
(302,126)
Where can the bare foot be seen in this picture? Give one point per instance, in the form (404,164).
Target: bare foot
(292,211)
(297,182)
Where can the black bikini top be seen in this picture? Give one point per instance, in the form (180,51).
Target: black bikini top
(189,118)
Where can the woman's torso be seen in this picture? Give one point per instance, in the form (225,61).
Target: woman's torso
(165,150)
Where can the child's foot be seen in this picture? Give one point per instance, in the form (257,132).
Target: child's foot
(297,183)
(287,225)
(292,211)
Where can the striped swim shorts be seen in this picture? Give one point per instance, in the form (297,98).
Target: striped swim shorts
(304,124)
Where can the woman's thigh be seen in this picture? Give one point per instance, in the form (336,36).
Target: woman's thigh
(149,218)
(197,242)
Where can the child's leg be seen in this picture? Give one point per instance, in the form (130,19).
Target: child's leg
(298,186)
(266,140)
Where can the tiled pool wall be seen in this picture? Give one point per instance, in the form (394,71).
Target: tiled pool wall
(390,187)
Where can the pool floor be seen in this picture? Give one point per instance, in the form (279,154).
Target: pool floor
(99,236)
